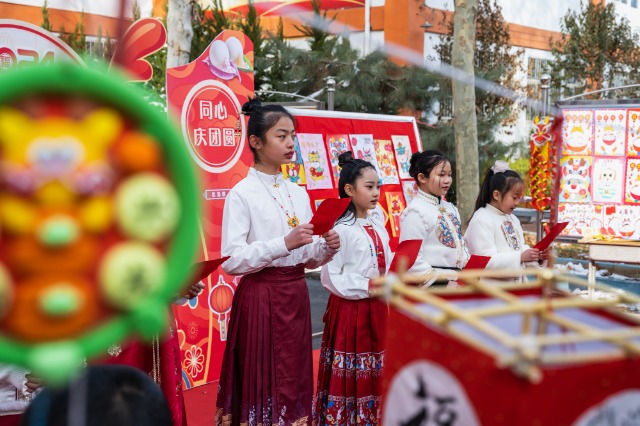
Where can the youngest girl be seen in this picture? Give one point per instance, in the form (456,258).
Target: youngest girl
(494,230)
(351,357)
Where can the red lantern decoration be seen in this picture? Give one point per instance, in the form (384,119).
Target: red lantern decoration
(540,166)
(220,299)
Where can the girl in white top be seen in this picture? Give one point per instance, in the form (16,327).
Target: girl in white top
(432,219)
(493,230)
(352,352)
(267,368)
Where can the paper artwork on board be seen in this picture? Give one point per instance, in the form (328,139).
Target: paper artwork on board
(363,148)
(336,145)
(621,221)
(410,190)
(608,180)
(294,171)
(395,205)
(575,180)
(402,146)
(384,154)
(580,217)
(632,183)
(577,132)
(633,133)
(610,129)
(379,215)
(314,158)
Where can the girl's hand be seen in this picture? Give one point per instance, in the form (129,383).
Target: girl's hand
(545,254)
(33,383)
(194,290)
(333,239)
(300,236)
(530,255)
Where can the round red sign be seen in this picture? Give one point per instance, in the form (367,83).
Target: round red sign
(213,127)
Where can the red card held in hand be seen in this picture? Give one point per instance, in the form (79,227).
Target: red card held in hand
(544,243)
(328,212)
(202,270)
(408,250)
(477,262)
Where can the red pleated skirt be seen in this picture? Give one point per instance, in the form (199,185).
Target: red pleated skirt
(351,362)
(267,368)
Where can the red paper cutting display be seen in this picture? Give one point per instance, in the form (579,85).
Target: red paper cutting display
(544,243)
(327,214)
(408,249)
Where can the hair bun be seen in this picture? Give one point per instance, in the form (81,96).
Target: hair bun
(344,158)
(251,105)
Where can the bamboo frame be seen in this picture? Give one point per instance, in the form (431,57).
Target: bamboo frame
(525,354)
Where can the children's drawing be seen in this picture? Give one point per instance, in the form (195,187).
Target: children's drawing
(379,215)
(577,132)
(386,161)
(621,221)
(314,158)
(396,206)
(410,190)
(580,217)
(633,132)
(402,146)
(608,180)
(337,144)
(364,149)
(294,171)
(610,127)
(632,182)
(575,180)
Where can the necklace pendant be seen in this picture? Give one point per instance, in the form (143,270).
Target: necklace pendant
(293,221)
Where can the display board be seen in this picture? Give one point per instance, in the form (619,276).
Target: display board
(598,179)
(386,141)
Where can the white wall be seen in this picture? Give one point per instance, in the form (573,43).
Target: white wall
(542,14)
(631,13)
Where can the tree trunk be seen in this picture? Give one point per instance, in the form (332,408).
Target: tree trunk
(179,32)
(464,103)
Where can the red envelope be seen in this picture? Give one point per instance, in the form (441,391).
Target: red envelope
(203,269)
(328,212)
(408,249)
(544,243)
(477,262)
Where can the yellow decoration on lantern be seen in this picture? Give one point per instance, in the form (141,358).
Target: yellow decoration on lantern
(96,215)
(16,215)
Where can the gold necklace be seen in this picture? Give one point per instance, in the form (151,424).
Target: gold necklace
(433,200)
(292,221)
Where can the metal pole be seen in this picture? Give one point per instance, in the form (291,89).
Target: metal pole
(545,84)
(331,91)
(367,27)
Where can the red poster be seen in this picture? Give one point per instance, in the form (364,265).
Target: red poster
(206,96)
